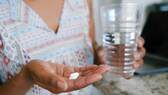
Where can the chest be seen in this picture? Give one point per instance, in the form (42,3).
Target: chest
(52,12)
(49,11)
(35,37)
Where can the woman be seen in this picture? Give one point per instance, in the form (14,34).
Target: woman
(43,42)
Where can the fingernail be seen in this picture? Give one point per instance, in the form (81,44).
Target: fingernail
(137,55)
(61,85)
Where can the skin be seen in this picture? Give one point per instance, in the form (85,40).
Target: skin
(98,50)
(138,55)
(54,77)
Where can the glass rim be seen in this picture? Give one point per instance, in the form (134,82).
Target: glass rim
(119,4)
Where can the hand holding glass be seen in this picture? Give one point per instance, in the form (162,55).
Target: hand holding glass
(121,29)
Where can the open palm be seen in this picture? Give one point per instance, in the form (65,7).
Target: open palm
(55,77)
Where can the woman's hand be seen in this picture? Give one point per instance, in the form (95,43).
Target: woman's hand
(98,54)
(55,77)
(139,54)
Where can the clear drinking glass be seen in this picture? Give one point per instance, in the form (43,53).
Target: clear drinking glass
(121,29)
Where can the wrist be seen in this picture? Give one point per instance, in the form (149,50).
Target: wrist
(24,78)
(95,46)
(98,54)
(17,85)
(25,74)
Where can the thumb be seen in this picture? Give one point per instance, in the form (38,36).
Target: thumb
(58,82)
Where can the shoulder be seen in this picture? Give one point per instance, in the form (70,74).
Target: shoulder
(4,4)
(3,1)
(4,10)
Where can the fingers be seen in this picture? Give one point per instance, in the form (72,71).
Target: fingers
(141,42)
(138,64)
(141,50)
(138,57)
(102,69)
(87,80)
(93,69)
(55,81)
(82,82)
(89,75)
(60,83)
(139,54)
(57,84)
(99,56)
(50,88)
(100,51)
(86,68)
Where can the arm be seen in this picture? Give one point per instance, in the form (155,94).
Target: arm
(53,77)
(98,50)
(91,22)
(18,85)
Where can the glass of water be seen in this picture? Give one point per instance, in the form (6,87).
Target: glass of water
(121,29)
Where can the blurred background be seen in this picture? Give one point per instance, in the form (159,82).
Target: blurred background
(154,29)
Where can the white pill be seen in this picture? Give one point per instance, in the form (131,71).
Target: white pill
(74,75)
(73,78)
